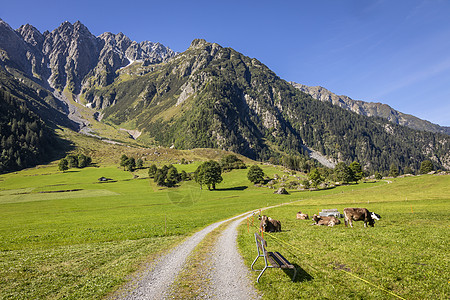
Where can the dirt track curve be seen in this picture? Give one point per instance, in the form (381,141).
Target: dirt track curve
(229,276)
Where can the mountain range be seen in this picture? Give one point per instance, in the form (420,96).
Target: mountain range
(371,109)
(207,96)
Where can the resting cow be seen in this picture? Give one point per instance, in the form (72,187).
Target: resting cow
(302,216)
(269,225)
(360,214)
(327,221)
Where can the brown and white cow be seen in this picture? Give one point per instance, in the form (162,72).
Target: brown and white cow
(327,221)
(302,216)
(269,225)
(360,214)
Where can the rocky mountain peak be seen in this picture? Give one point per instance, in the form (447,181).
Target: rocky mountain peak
(71,57)
(198,43)
(4,24)
(31,35)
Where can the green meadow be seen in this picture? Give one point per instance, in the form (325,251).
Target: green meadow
(66,235)
(406,254)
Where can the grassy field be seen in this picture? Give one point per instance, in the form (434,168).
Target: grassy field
(405,254)
(65,235)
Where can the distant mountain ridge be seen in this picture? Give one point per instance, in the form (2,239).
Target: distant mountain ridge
(71,57)
(371,109)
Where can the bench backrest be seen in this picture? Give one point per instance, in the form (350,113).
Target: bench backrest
(261,244)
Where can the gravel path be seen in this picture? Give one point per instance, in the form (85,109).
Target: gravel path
(229,275)
(155,281)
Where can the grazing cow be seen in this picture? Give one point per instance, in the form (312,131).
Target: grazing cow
(301,216)
(327,221)
(360,214)
(269,225)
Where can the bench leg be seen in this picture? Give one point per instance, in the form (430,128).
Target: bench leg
(295,273)
(255,262)
(262,272)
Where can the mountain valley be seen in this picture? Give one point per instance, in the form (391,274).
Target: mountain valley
(206,97)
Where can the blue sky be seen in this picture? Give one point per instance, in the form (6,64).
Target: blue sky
(391,51)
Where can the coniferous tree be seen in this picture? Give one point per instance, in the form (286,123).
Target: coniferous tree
(426,167)
(343,173)
(357,171)
(393,170)
(184,176)
(172,177)
(160,177)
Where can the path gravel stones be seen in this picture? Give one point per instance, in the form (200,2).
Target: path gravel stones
(229,278)
(229,275)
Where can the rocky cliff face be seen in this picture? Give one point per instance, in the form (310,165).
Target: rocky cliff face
(71,57)
(370,109)
(215,97)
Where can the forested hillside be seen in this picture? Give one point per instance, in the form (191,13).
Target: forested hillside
(25,138)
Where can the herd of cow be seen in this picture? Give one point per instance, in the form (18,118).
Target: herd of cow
(350,214)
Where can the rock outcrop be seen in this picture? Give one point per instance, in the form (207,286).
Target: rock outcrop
(71,58)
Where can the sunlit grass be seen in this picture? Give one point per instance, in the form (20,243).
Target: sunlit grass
(406,253)
(68,235)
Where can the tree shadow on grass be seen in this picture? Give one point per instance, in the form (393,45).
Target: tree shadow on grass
(236,188)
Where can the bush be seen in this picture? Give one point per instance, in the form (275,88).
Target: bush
(230,162)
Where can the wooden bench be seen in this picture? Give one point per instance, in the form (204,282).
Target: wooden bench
(271,259)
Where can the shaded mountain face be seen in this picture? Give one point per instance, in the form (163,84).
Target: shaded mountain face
(371,109)
(207,96)
(71,57)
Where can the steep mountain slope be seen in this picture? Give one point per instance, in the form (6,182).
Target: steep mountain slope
(371,109)
(209,96)
(61,63)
